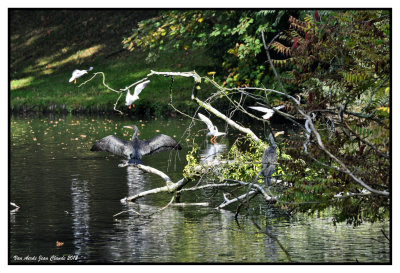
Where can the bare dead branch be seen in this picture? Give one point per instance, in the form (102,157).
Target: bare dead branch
(208,186)
(205,105)
(125,211)
(225,118)
(317,135)
(234,200)
(193,74)
(104,83)
(172,187)
(205,204)
(344,167)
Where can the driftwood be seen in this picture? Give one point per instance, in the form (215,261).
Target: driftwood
(177,188)
(149,169)
(169,188)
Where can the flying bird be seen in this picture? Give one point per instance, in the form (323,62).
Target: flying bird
(134,149)
(269,112)
(213,130)
(130,99)
(79,73)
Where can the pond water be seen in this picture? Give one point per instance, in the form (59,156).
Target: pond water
(68,196)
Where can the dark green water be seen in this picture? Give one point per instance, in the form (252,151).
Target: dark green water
(68,194)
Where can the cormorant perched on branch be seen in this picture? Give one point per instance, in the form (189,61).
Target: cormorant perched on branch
(136,148)
(269,159)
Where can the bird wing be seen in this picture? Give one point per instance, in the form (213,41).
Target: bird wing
(268,115)
(158,144)
(207,121)
(74,75)
(78,73)
(279,107)
(75,72)
(114,145)
(261,109)
(128,98)
(217,134)
(140,87)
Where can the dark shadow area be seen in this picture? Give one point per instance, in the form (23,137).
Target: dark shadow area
(66,37)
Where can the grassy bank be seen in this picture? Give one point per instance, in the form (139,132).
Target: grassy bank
(44,53)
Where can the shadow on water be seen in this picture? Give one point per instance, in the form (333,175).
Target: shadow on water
(68,194)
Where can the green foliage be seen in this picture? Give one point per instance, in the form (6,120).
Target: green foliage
(341,60)
(231,37)
(191,157)
(245,155)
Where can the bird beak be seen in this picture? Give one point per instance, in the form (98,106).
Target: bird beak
(128,127)
(279,133)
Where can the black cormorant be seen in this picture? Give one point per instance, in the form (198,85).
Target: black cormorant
(136,148)
(269,159)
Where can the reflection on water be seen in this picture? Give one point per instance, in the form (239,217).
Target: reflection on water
(136,180)
(175,236)
(68,194)
(211,151)
(80,196)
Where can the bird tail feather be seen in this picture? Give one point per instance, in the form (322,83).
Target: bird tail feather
(135,161)
(95,147)
(267,180)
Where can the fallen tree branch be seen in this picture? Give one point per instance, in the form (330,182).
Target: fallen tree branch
(169,188)
(148,169)
(208,186)
(193,74)
(205,105)
(205,204)
(225,118)
(255,186)
(163,208)
(147,215)
(234,200)
(125,211)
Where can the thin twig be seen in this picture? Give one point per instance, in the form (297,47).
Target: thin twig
(125,211)
(104,83)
